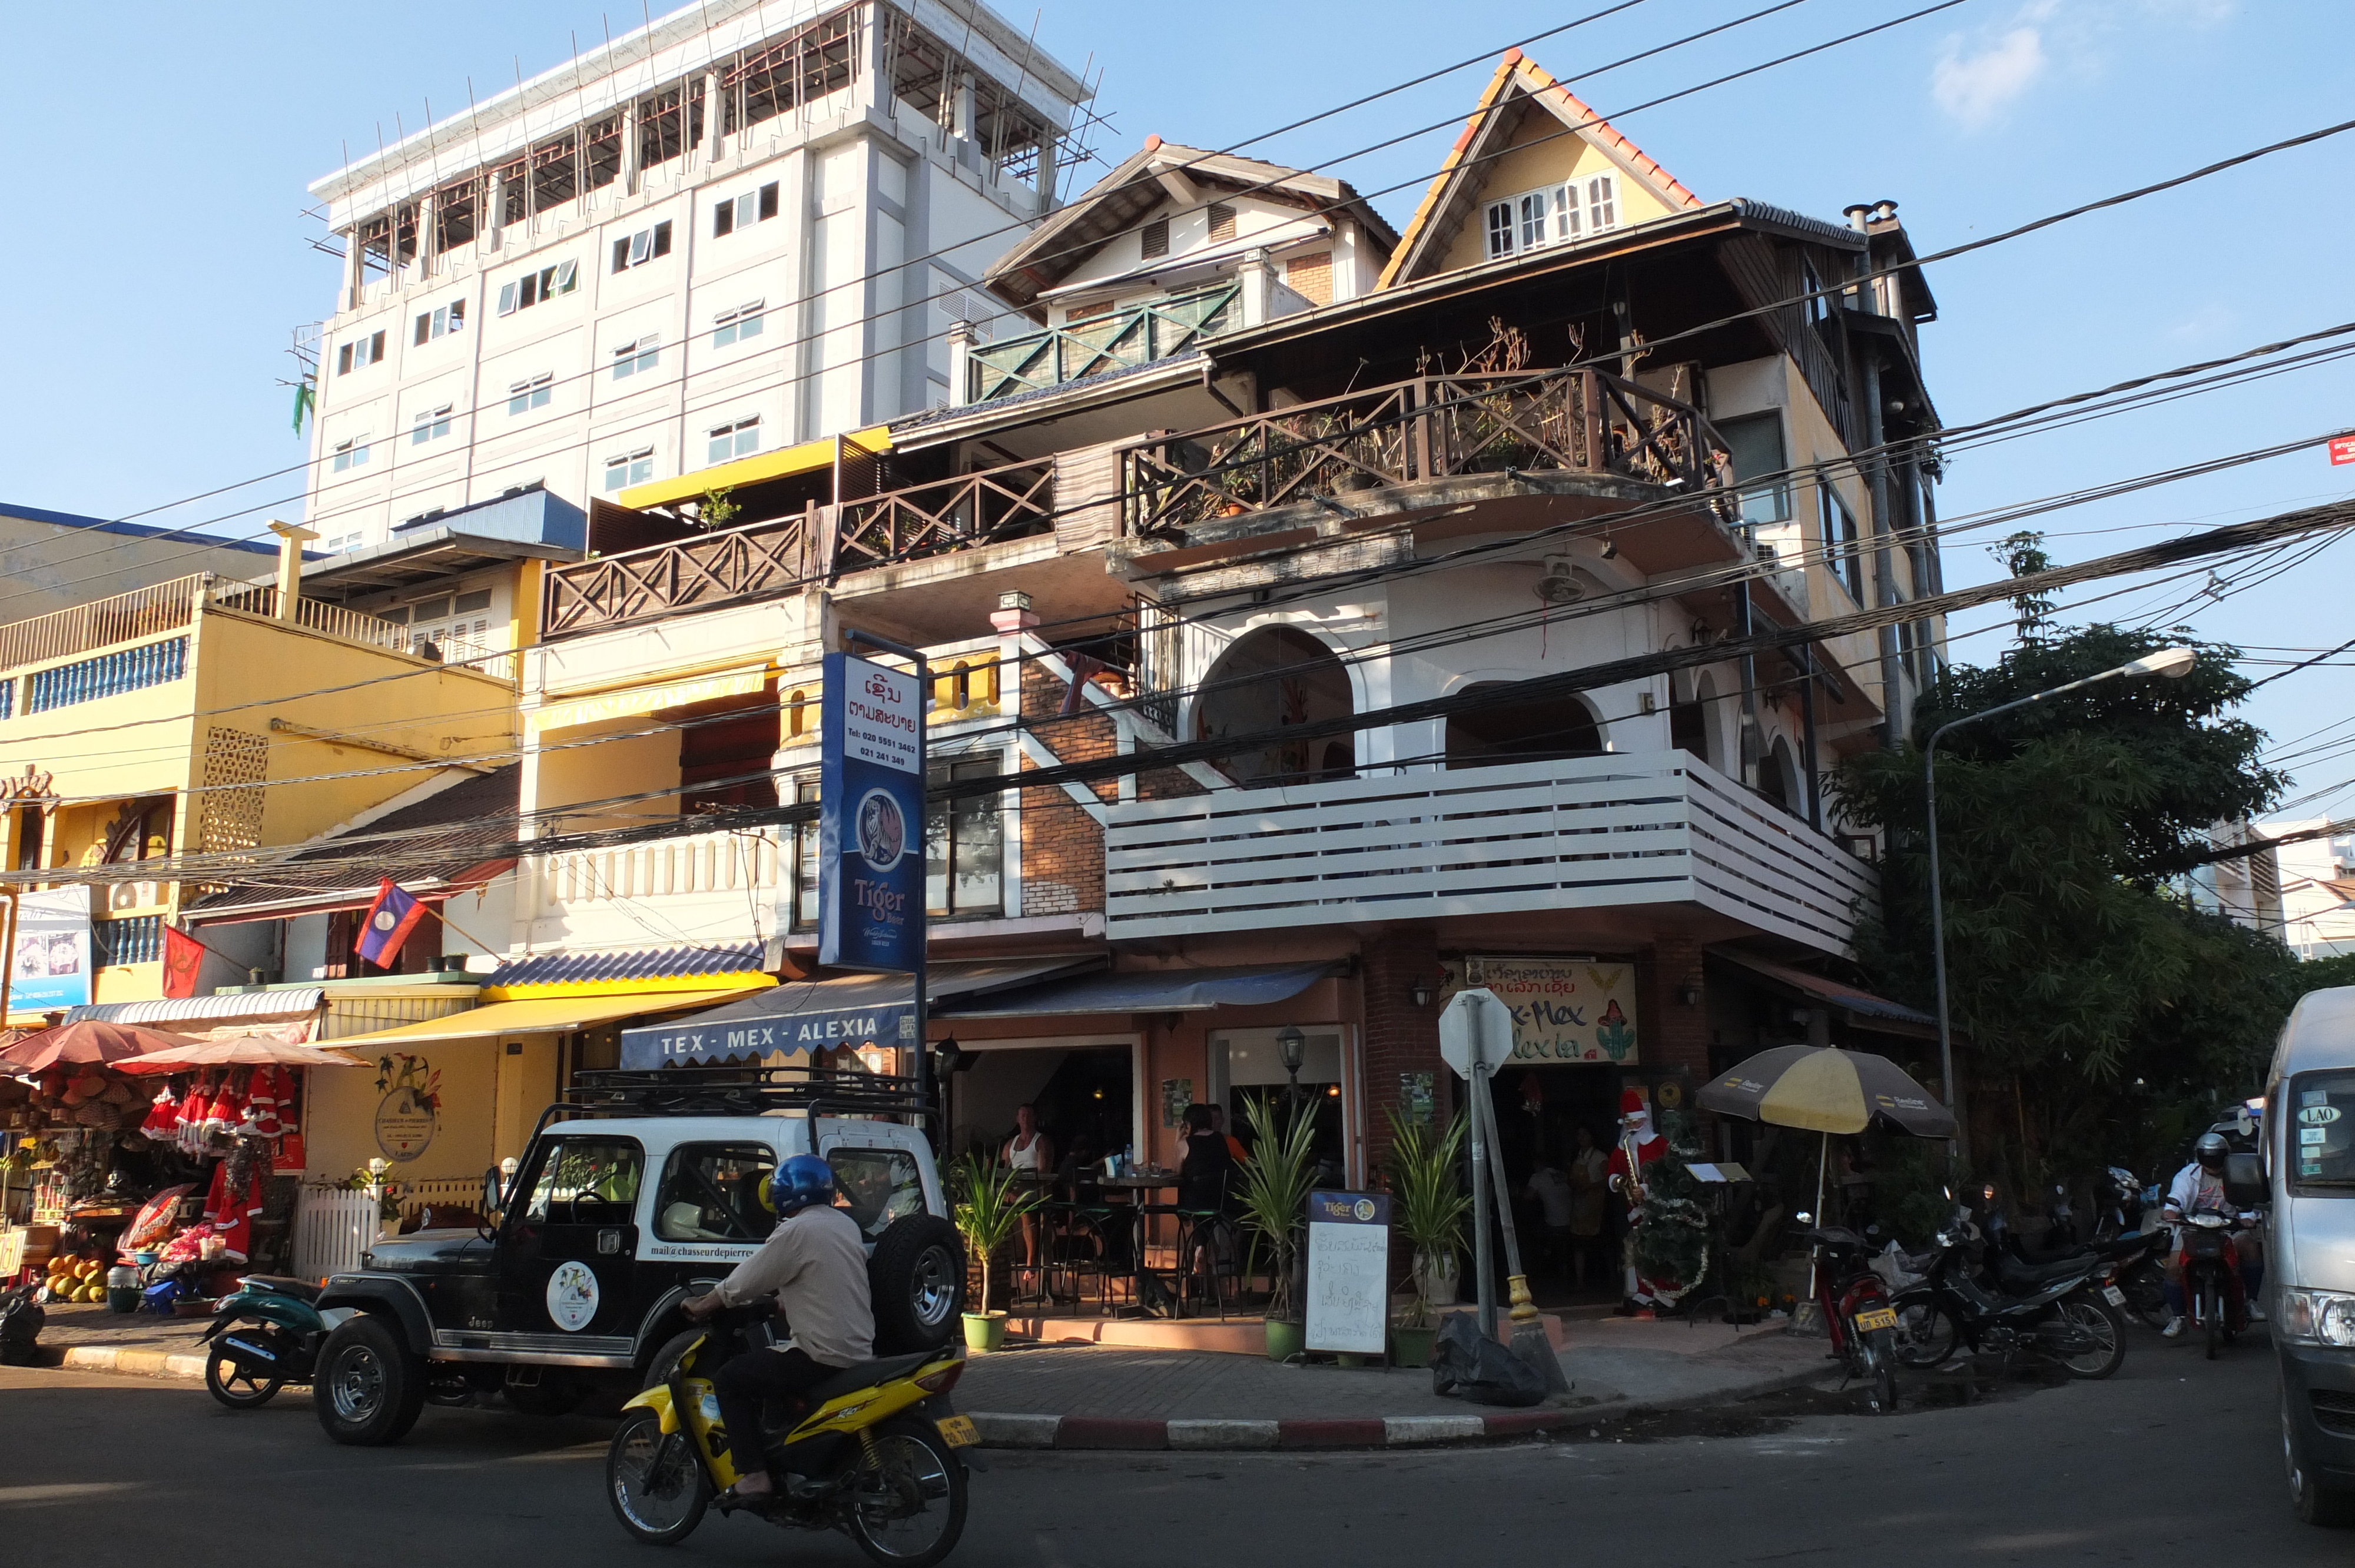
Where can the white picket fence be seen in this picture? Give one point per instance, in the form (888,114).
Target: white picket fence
(332,1228)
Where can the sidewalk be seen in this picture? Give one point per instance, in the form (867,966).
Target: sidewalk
(1101,1396)
(1062,1396)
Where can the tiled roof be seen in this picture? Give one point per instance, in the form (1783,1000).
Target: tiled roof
(638,964)
(429,859)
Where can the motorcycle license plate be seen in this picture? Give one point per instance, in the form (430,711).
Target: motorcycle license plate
(1879,1317)
(2113,1296)
(959,1431)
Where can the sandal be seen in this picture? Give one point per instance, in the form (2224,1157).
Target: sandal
(731,1500)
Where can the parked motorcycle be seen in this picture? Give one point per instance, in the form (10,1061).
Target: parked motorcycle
(1855,1304)
(2063,1312)
(280,1328)
(2208,1263)
(871,1452)
(2132,1261)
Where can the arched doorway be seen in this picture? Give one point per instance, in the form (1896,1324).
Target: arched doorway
(1693,722)
(1535,731)
(1778,778)
(1272,679)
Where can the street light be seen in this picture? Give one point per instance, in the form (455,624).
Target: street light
(1293,1046)
(2173,663)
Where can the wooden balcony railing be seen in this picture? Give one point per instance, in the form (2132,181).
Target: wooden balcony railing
(1136,335)
(953,514)
(934,519)
(1437,427)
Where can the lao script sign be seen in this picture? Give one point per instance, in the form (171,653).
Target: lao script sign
(871,817)
(1564,1010)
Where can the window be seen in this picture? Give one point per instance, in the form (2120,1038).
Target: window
(591,1181)
(359,354)
(1811,283)
(736,326)
(441,321)
(715,1193)
(806,846)
(352,454)
(1602,204)
(642,246)
(430,426)
(1754,442)
(1222,222)
(629,469)
(735,441)
(525,396)
(467,603)
(637,356)
(1155,237)
(537,288)
(964,849)
(877,1185)
(1841,551)
(744,211)
(343,542)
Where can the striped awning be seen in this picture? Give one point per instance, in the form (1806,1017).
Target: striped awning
(291,1015)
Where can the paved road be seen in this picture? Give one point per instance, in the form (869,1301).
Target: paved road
(2175,1461)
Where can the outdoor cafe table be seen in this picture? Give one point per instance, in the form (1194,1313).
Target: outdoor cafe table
(1139,1186)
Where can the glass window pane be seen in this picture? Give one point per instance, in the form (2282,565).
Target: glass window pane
(749,324)
(878,1186)
(1754,442)
(715,1193)
(591,1181)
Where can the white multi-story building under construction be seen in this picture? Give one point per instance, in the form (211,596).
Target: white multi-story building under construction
(662,266)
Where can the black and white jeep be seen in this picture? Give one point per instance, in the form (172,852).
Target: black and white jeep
(639,1192)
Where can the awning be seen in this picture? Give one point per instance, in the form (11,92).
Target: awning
(627,971)
(289,1015)
(807,458)
(539,1016)
(839,1010)
(1864,1009)
(1146,990)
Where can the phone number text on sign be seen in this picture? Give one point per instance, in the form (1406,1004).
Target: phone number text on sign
(883,717)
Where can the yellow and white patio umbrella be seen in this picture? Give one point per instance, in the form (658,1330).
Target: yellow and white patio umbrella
(1822,1088)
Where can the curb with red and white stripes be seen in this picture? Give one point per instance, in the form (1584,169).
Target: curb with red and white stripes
(1114,1432)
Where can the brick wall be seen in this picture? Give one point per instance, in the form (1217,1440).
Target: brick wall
(1673,1033)
(1400,1036)
(1062,847)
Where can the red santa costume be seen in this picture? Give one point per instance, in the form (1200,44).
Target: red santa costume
(1637,1139)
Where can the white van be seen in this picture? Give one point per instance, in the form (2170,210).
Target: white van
(2310,1149)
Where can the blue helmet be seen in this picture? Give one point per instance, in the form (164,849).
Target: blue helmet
(799,1182)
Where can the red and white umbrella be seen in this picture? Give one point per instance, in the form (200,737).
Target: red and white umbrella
(239,1050)
(90,1040)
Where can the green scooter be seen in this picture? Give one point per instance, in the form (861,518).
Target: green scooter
(280,1328)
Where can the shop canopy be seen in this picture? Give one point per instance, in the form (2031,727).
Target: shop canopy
(1862,1009)
(839,1010)
(252,1050)
(1146,990)
(540,1016)
(291,1014)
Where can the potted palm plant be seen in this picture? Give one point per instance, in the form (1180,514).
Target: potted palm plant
(990,1205)
(1274,1196)
(1429,1211)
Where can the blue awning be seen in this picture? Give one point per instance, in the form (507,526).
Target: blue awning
(1143,990)
(838,1009)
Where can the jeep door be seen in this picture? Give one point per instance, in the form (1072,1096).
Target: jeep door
(568,1251)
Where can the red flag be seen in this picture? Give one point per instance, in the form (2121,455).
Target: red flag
(387,924)
(183,957)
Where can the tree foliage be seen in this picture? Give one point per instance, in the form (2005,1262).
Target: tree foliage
(2104,1016)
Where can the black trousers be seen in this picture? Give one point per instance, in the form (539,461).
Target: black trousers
(748,1381)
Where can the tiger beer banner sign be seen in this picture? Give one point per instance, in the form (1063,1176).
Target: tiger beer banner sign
(1564,1010)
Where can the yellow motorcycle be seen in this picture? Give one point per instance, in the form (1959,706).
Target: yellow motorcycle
(871,1452)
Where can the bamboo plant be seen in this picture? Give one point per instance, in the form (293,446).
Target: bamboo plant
(990,1205)
(1274,1195)
(1430,1204)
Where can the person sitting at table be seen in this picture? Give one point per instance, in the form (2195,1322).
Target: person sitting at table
(1205,1175)
(1219,1125)
(1032,1156)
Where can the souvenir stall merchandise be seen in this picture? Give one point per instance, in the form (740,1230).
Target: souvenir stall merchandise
(155,1187)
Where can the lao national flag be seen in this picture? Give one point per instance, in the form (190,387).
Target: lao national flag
(387,924)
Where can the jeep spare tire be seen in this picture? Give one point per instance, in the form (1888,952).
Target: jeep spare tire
(917,1279)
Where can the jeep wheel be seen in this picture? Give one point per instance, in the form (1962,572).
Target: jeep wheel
(917,1279)
(369,1387)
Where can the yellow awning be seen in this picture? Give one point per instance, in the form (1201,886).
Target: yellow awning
(806,458)
(572,712)
(539,1016)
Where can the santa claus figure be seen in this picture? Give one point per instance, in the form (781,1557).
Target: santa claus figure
(1639,1148)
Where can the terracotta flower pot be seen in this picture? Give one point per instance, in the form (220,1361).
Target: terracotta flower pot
(984,1331)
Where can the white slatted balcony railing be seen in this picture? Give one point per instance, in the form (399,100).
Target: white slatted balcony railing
(1584,832)
(705,887)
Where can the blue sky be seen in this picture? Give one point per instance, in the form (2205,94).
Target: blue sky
(162,152)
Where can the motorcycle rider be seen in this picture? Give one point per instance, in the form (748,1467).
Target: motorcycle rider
(2199,1189)
(814,1266)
